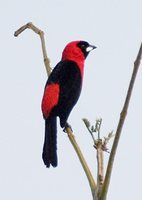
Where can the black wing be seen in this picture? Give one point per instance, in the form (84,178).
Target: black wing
(67,75)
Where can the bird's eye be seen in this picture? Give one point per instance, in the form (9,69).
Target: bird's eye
(83,46)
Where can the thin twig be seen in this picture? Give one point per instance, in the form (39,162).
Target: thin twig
(100,158)
(41,34)
(100,167)
(87,124)
(120,126)
(99,146)
(82,160)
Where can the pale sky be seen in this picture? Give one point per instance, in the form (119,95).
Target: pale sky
(114,26)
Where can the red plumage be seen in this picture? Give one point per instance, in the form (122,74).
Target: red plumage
(50,99)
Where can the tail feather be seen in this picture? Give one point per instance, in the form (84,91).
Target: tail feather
(49,154)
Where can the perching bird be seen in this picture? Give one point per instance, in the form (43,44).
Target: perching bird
(61,93)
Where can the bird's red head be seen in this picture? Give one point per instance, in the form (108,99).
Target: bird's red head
(77,51)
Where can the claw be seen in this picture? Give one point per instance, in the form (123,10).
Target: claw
(67,125)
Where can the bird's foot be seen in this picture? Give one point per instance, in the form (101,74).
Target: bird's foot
(67,125)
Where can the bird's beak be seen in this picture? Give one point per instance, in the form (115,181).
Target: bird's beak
(90,48)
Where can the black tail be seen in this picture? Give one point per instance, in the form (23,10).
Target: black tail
(49,154)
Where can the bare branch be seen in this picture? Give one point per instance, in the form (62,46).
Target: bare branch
(120,126)
(82,160)
(100,167)
(100,163)
(41,34)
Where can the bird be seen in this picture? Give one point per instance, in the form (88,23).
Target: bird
(61,93)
